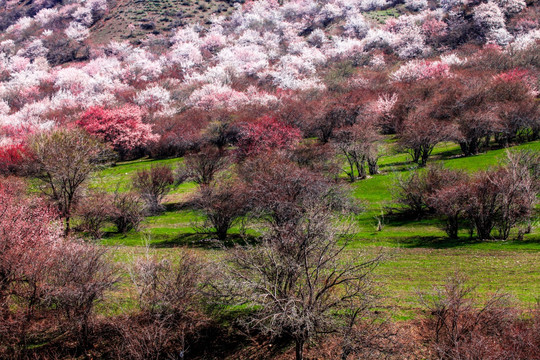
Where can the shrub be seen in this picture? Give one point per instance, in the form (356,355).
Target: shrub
(28,237)
(94,211)
(128,211)
(202,167)
(12,158)
(152,185)
(413,191)
(222,203)
(458,327)
(82,275)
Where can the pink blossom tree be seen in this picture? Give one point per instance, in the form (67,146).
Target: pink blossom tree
(122,127)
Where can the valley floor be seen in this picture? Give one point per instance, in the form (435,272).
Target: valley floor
(418,253)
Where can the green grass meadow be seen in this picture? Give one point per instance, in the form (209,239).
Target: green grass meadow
(418,253)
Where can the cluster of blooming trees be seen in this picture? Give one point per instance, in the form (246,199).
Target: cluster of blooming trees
(269,107)
(263,56)
(271,76)
(499,199)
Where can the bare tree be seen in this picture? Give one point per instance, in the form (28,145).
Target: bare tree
(222,203)
(64,160)
(299,281)
(349,145)
(169,296)
(82,276)
(524,171)
(152,185)
(421,133)
(127,211)
(450,202)
(202,167)
(167,286)
(458,325)
(359,144)
(500,199)
(278,191)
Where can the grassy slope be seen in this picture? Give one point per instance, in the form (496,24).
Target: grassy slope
(420,255)
(166,15)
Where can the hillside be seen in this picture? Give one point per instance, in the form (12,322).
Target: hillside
(269,179)
(134,19)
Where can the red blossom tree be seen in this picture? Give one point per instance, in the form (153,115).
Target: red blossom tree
(266,134)
(122,127)
(12,157)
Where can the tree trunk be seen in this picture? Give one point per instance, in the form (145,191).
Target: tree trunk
(464,148)
(352,177)
(416,155)
(487,140)
(67,230)
(373,166)
(221,233)
(361,168)
(299,350)
(483,229)
(452,227)
(426,151)
(345,354)
(474,146)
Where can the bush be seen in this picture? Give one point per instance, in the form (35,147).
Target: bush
(458,327)
(128,211)
(12,159)
(28,239)
(414,190)
(152,185)
(82,275)
(202,167)
(94,211)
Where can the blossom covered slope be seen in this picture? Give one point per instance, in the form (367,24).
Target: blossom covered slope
(260,56)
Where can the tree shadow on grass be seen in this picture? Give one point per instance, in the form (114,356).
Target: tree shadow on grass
(447,155)
(441,242)
(436,242)
(398,166)
(397,217)
(204,241)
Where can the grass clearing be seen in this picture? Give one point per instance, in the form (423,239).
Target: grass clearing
(420,255)
(405,272)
